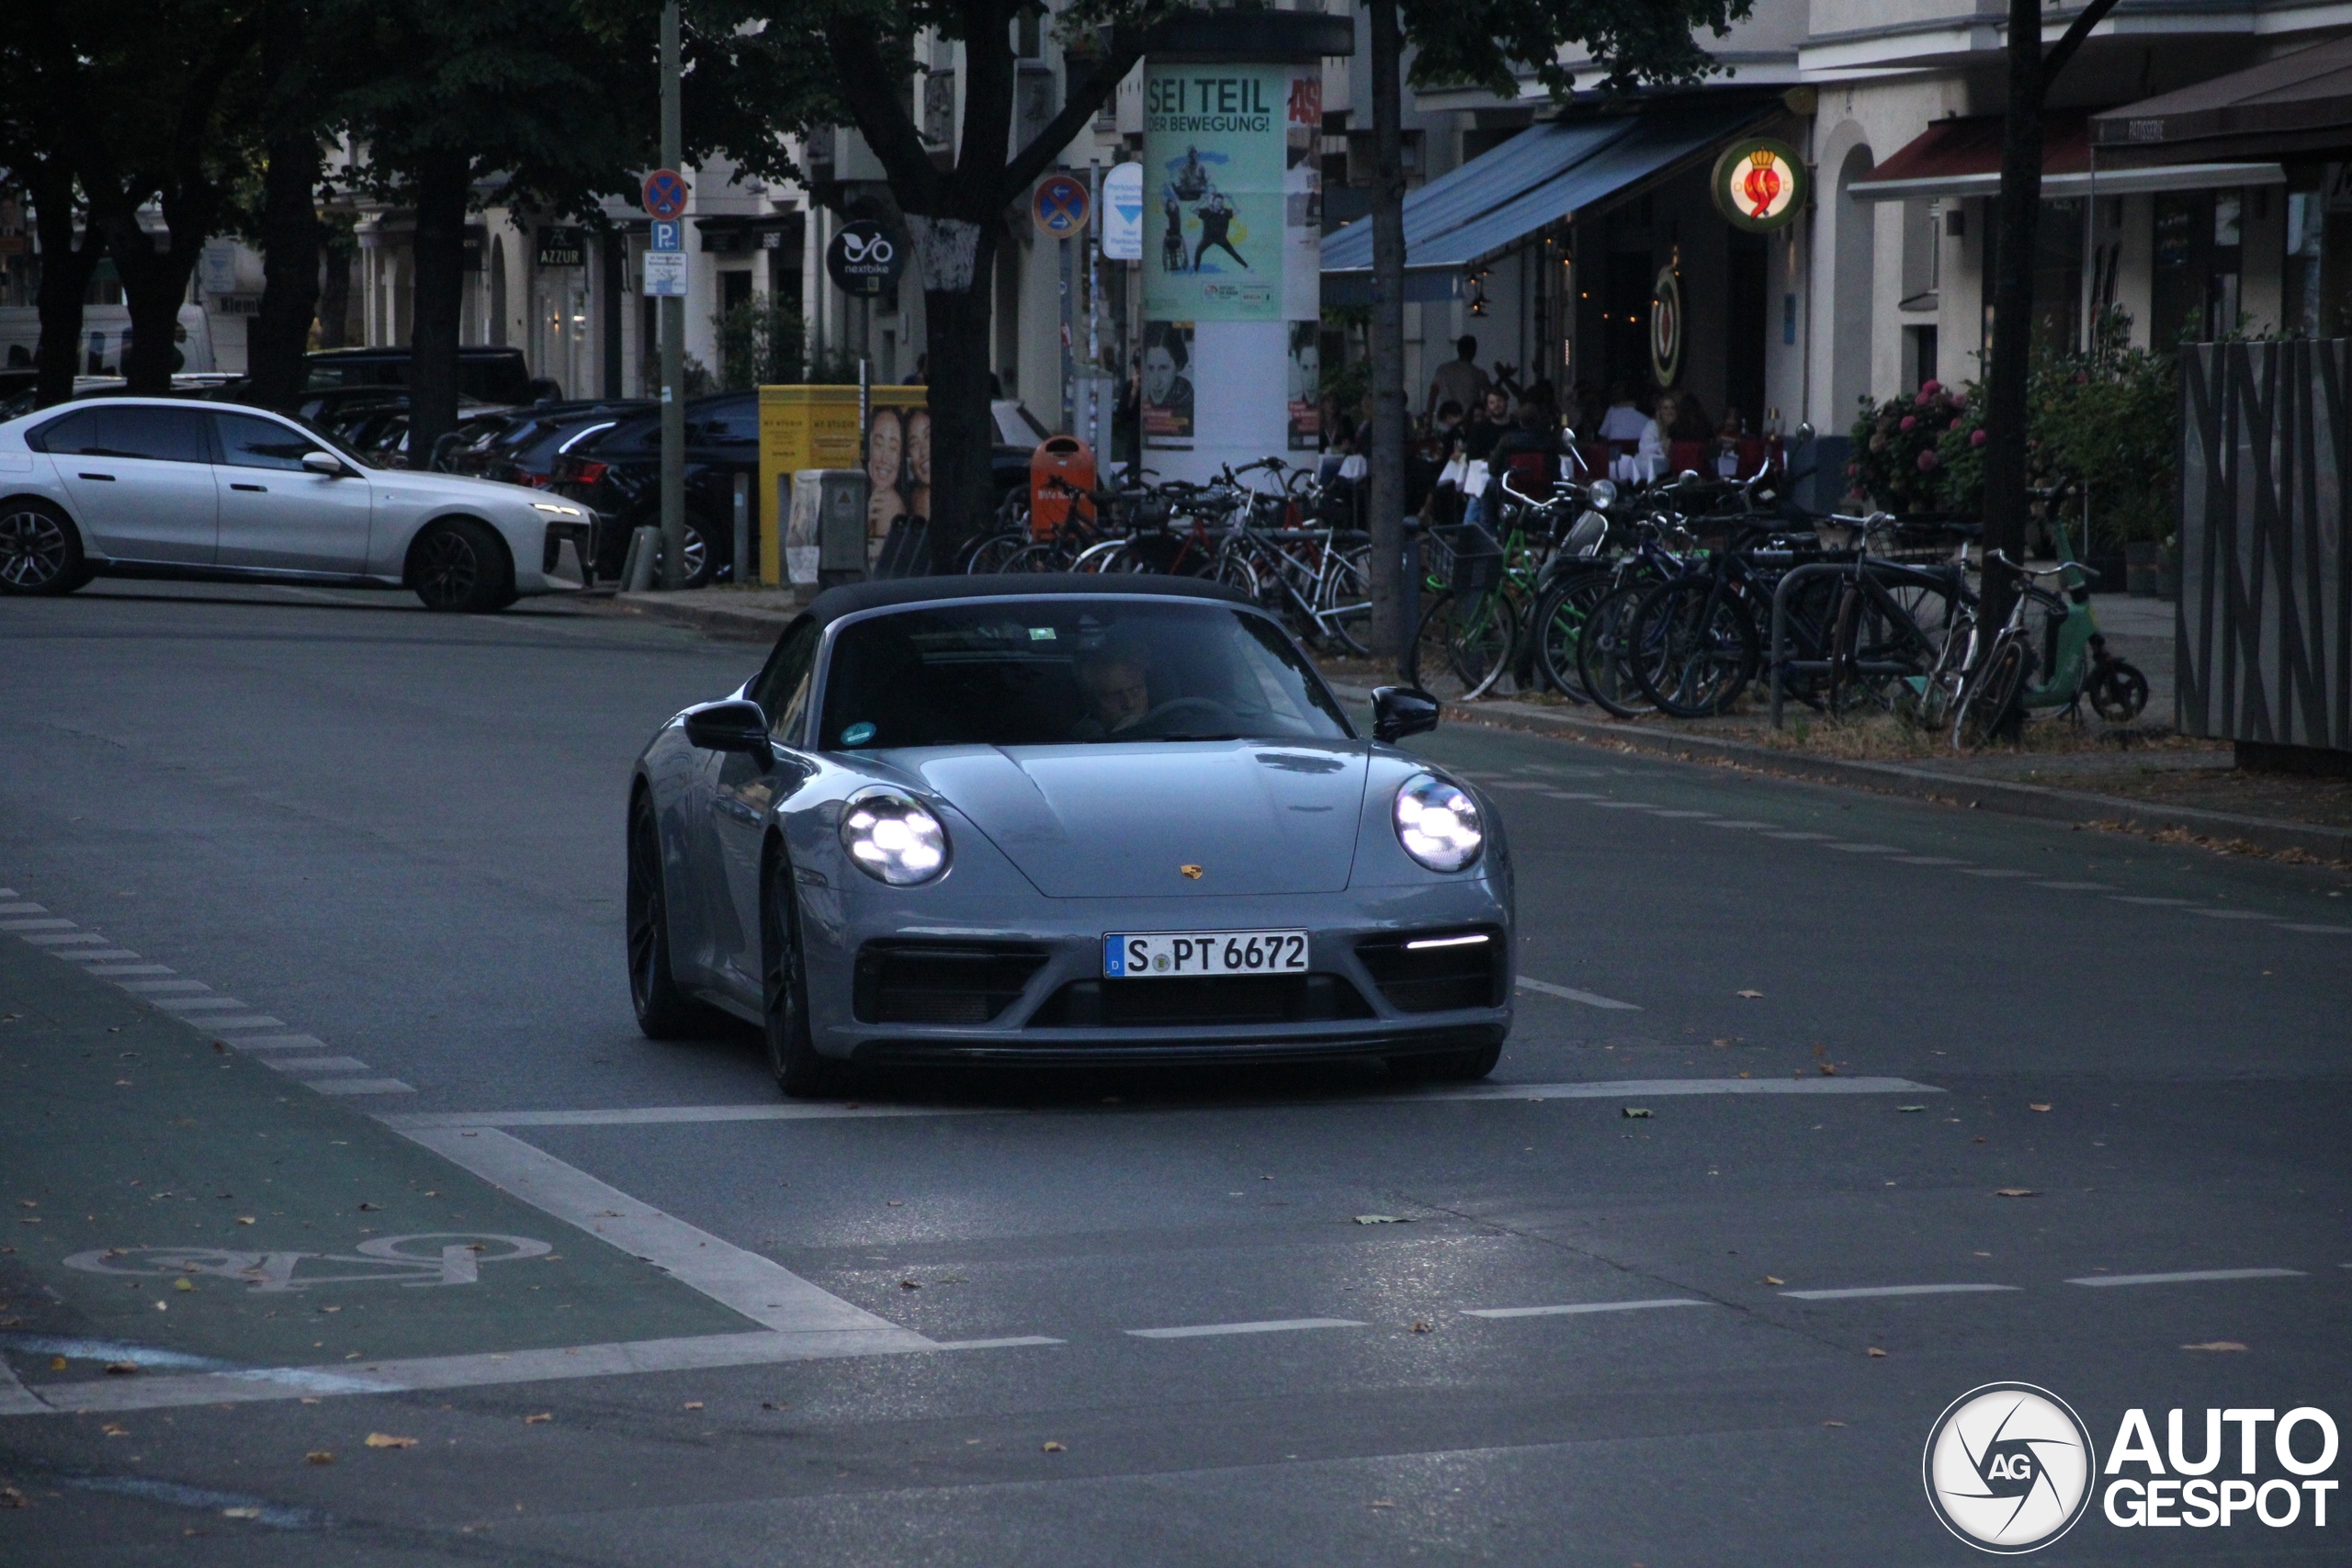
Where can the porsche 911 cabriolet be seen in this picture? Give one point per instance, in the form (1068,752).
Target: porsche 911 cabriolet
(1061,820)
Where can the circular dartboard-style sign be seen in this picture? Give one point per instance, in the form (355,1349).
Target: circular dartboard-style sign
(1665,328)
(1759,184)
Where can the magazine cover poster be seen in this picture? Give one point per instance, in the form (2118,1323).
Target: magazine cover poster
(1216,151)
(1168,379)
(1305,377)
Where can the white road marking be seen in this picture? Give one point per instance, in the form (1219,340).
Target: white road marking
(23,909)
(2233,914)
(1580,1307)
(1730,822)
(316,1064)
(1624,805)
(14,1398)
(2128,898)
(700,1353)
(230,1025)
(1784,834)
(419,1123)
(114,971)
(2321,931)
(1861,849)
(1570,994)
(2074,887)
(93,955)
(1893,1290)
(764,1291)
(361,1086)
(1272,1325)
(1928,859)
(1684,814)
(2189,1276)
(1996,871)
(59,939)
(148,987)
(202,1004)
(51,925)
(283,1042)
(1489,782)
(1572,795)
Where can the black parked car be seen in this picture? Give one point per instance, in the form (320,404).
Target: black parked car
(619,474)
(524,446)
(485,374)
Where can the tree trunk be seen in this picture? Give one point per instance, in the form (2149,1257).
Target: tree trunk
(958,262)
(334,290)
(1390,637)
(2004,411)
(290,238)
(154,285)
(443,182)
(65,270)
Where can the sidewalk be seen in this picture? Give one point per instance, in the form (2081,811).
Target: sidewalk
(2141,778)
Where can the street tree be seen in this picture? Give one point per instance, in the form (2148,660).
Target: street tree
(1492,43)
(39,91)
(953,207)
(2030,73)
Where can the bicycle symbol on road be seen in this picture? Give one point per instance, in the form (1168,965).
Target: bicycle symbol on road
(433,1257)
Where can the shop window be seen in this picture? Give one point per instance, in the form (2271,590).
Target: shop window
(1918,356)
(2199,261)
(2057,274)
(734,288)
(1922,245)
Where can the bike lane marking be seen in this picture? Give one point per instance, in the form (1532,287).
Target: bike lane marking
(1569,993)
(1269,1325)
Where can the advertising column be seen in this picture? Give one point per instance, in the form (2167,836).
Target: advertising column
(1232,241)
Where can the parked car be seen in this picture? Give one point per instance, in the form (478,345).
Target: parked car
(147,487)
(485,373)
(1062,820)
(618,474)
(522,447)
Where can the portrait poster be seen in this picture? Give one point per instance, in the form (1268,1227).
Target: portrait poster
(1169,377)
(1304,368)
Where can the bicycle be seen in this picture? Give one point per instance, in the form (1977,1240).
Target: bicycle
(1995,693)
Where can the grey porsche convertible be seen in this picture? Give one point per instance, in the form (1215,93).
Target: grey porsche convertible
(1061,820)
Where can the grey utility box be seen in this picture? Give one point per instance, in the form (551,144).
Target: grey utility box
(824,533)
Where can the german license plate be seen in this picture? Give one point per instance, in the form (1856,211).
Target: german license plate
(1167,954)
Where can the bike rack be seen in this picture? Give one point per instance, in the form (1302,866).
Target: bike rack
(1781,626)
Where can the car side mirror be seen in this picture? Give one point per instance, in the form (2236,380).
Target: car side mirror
(737,725)
(1399,711)
(326,464)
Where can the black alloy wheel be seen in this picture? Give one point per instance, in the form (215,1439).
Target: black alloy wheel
(799,1071)
(40,552)
(459,567)
(664,1011)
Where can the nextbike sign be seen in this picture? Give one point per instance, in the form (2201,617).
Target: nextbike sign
(864,259)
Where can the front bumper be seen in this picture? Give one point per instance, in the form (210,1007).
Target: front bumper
(1064,1011)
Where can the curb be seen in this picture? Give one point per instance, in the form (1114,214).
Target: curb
(2221,831)
(735,624)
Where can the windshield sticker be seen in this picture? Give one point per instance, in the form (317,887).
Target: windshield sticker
(1040,634)
(857,735)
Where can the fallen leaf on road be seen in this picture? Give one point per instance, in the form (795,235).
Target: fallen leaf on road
(894,1203)
(693,1404)
(369,1208)
(1876,1351)
(113,1430)
(1833,1423)
(57,1363)
(386,1440)
(2215,1345)
(1054,1449)
(183,1285)
(910,1285)
(2016,1192)
(118,1367)
(1382,1503)
(240,1513)
(1750,994)
(12,1498)
(244,1219)
(536,1420)
(2033,1107)
(1978,1139)
(765,1405)
(1774,1280)
(1828,1070)
(221,1045)
(1634,1113)
(1909,1108)
(319,1456)
(1381,1220)
(1721,1042)
(1422,1328)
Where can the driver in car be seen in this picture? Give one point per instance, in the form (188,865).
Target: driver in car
(1117,693)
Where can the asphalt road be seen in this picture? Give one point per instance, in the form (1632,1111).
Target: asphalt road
(378,855)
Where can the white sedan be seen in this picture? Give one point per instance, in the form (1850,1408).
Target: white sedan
(149,487)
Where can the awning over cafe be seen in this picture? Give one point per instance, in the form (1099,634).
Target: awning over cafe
(1962,157)
(1543,175)
(2298,106)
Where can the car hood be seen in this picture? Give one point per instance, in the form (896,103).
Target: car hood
(1113,820)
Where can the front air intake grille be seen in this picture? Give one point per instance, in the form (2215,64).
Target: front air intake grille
(941,982)
(1200,1000)
(1437,970)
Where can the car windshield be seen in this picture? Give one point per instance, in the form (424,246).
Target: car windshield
(1073,670)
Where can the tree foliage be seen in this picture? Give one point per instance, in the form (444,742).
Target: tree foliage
(1632,43)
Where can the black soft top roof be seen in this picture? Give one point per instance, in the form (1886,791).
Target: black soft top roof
(834,603)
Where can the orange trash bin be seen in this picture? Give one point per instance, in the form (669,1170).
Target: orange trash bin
(1060,461)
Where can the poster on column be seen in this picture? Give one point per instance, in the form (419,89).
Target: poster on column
(1215,148)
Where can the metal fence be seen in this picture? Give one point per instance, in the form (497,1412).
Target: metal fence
(2266,575)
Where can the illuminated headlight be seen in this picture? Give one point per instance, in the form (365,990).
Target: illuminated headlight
(553,510)
(892,838)
(1438,824)
(1603,494)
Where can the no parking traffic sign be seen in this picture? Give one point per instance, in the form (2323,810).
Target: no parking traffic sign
(1059,205)
(665,193)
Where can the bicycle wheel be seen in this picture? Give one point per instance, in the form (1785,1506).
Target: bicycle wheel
(1561,617)
(991,554)
(1108,555)
(1344,603)
(1481,636)
(1865,646)
(1697,647)
(1605,651)
(1044,556)
(1990,699)
(1235,569)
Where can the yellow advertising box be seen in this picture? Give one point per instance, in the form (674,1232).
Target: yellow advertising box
(816,427)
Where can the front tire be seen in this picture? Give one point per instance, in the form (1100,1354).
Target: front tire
(460,568)
(40,550)
(799,1071)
